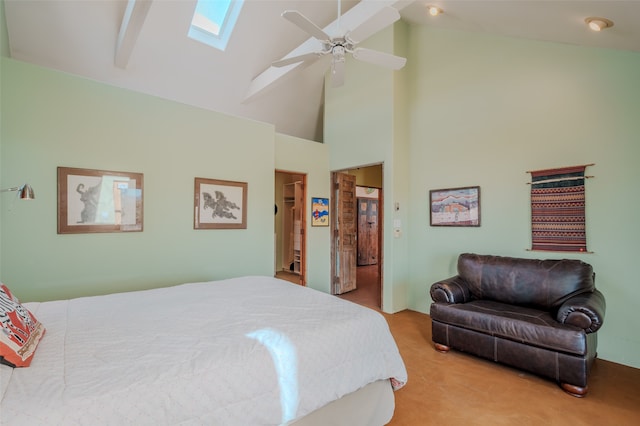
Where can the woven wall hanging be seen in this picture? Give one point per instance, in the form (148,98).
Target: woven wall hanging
(557,209)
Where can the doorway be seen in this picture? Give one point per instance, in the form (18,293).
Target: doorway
(357,230)
(290,224)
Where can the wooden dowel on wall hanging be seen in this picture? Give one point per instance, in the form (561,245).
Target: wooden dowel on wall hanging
(560,168)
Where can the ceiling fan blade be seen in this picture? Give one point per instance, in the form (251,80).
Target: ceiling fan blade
(305,24)
(337,73)
(377,22)
(307,57)
(386,60)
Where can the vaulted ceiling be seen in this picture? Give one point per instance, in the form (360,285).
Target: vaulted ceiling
(155,56)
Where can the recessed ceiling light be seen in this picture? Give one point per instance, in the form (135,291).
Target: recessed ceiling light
(434,10)
(598,24)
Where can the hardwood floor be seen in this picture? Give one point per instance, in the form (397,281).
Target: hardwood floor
(368,291)
(461,389)
(288,276)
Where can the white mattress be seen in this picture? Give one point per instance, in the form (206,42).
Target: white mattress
(243,351)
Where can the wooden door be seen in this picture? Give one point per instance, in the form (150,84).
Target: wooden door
(367,231)
(345,234)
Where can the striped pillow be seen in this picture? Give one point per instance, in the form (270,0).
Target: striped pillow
(20,331)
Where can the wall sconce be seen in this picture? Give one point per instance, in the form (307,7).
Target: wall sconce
(25,192)
(598,24)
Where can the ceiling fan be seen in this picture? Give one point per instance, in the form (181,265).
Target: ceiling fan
(345,43)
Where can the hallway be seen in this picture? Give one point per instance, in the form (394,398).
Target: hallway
(368,291)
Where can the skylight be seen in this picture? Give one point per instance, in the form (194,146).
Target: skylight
(213,21)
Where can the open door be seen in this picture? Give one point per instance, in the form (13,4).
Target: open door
(345,231)
(290,224)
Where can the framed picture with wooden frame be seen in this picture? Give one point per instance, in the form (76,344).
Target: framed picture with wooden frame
(94,201)
(220,204)
(455,206)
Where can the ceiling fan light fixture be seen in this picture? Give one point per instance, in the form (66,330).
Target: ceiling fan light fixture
(434,10)
(339,46)
(598,24)
(338,53)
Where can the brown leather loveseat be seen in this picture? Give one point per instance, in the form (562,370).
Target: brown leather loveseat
(537,315)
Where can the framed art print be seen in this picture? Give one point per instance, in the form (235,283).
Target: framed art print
(99,201)
(319,211)
(455,206)
(220,204)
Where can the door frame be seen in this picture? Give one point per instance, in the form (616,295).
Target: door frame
(334,212)
(303,225)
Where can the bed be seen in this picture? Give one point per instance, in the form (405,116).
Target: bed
(241,351)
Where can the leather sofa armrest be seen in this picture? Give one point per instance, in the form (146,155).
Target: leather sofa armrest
(584,310)
(450,290)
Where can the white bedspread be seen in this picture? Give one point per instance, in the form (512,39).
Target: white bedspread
(243,351)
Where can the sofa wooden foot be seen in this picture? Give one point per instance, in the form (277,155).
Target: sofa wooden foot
(577,391)
(442,348)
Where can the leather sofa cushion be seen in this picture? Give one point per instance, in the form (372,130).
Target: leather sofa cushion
(521,324)
(540,283)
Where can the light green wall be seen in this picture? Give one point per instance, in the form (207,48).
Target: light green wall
(4,52)
(51,119)
(4,38)
(310,158)
(360,130)
(484,110)
(467,110)
(401,177)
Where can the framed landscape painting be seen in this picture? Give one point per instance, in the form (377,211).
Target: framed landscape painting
(455,206)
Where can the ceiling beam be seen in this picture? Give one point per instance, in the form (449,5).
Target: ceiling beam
(132,22)
(355,16)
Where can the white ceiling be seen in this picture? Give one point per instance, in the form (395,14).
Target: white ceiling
(81,37)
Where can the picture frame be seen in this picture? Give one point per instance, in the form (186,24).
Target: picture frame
(455,206)
(319,211)
(99,201)
(220,204)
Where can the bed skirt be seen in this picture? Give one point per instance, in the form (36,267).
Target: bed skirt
(370,405)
